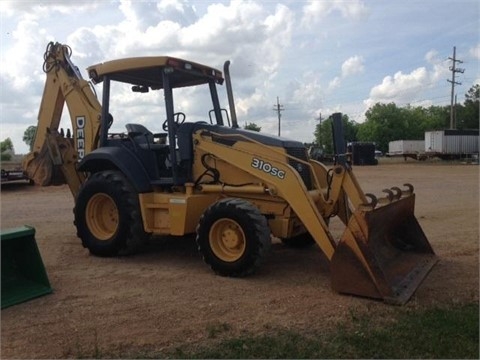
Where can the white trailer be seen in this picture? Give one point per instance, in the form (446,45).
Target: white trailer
(407,148)
(400,147)
(451,143)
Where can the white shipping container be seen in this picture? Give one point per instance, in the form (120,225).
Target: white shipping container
(400,147)
(454,142)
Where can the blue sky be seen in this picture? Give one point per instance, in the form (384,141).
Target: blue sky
(318,57)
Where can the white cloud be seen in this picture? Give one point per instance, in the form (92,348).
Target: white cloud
(353,66)
(316,10)
(311,54)
(11,8)
(404,88)
(224,27)
(248,35)
(144,14)
(307,91)
(431,56)
(335,83)
(400,87)
(439,66)
(475,52)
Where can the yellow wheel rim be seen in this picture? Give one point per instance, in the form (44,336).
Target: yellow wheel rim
(102,216)
(227,240)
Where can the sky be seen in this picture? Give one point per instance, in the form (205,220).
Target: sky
(316,57)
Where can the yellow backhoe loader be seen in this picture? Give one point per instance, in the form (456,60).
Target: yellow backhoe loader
(231,187)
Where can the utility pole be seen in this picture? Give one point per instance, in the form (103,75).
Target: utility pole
(454,70)
(278,108)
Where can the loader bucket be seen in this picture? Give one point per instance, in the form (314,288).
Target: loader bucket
(23,274)
(383,254)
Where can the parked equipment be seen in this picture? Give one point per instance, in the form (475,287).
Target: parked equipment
(452,143)
(234,188)
(23,274)
(13,173)
(414,149)
(362,153)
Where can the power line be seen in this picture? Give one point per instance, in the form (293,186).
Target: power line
(278,108)
(454,70)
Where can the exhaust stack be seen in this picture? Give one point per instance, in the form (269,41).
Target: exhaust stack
(231,103)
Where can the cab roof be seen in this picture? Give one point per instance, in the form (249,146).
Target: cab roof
(147,71)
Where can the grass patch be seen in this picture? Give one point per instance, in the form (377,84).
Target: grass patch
(433,333)
(428,334)
(216,329)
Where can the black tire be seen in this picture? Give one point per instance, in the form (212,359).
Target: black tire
(107,215)
(300,241)
(233,237)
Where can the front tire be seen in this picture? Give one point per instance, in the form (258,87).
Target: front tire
(233,237)
(107,215)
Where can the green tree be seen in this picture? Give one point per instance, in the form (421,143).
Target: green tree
(468,114)
(29,136)
(253,127)
(388,122)
(435,118)
(6,145)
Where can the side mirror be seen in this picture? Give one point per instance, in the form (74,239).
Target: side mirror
(140,88)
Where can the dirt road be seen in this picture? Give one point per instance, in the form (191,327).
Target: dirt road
(166,296)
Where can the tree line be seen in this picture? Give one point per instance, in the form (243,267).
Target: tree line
(389,122)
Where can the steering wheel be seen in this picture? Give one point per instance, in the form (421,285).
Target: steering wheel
(178,117)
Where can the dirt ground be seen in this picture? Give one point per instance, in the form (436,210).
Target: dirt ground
(167,297)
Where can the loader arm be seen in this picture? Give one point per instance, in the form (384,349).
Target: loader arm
(288,185)
(51,149)
(383,252)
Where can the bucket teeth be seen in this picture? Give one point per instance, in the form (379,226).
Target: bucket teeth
(388,198)
(409,191)
(371,204)
(397,192)
(392,194)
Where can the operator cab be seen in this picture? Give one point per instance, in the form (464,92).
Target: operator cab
(164,156)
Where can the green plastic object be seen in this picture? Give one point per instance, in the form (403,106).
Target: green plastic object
(23,274)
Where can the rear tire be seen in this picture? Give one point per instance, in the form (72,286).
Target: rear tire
(233,237)
(107,215)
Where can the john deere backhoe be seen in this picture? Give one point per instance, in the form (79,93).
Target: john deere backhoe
(234,188)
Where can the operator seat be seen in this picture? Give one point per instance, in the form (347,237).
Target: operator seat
(144,139)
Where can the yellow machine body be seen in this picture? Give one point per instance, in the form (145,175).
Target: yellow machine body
(234,188)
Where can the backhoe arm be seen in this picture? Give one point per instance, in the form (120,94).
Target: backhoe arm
(51,150)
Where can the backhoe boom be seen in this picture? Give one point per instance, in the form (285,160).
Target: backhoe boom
(51,149)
